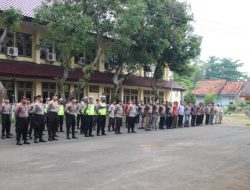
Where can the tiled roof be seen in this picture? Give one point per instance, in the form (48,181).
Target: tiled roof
(209,87)
(44,71)
(26,6)
(245,92)
(221,87)
(232,88)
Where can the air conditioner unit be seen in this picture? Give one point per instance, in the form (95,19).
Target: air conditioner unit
(12,51)
(81,61)
(148,74)
(51,57)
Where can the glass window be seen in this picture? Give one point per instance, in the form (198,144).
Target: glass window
(9,85)
(8,41)
(130,95)
(24,44)
(24,89)
(48,89)
(94,89)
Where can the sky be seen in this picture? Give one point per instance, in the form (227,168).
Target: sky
(225,27)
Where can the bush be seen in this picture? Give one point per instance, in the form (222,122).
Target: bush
(231,108)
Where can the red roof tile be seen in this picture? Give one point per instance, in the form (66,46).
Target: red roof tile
(245,92)
(32,70)
(209,87)
(26,6)
(232,87)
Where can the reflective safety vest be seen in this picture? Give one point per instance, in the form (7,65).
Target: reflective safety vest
(61,110)
(46,108)
(90,109)
(102,109)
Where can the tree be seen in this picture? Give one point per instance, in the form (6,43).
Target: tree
(12,19)
(225,68)
(73,27)
(183,44)
(164,23)
(209,98)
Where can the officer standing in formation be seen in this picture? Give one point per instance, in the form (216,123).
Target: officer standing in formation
(39,119)
(22,114)
(52,116)
(71,114)
(5,111)
(101,110)
(90,112)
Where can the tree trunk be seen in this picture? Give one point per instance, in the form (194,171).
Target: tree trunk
(3,36)
(2,92)
(155,88)
(62,81)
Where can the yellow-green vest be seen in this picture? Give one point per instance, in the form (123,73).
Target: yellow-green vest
(90,109)
(102,110)
(61,110)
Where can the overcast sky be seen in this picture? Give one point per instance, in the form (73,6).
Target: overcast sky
(225,27)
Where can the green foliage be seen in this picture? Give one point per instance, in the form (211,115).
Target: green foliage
(225,68)
(231,108)
(209,98)
(12,19)
(189,98)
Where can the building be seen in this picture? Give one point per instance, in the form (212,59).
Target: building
(30,73)
(225,92)
(245,92)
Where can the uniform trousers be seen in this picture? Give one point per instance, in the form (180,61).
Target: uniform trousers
(131,124)
(21,128)
(52,124)
(38,126)
(118,124)
(61,118)
(6,123)
(71,124)
(101,122)
(83,123)
(89,126)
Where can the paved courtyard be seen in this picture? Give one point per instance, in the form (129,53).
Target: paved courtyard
(201,158)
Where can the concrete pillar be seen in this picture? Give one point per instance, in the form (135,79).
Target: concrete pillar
(38,88)
(36,52)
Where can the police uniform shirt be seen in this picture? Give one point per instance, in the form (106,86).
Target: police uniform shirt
(53,106)
(5,108)
(119,111)
(22,110)
(71,108)
(38,108)
(132,110)
(112,111)
(81,108)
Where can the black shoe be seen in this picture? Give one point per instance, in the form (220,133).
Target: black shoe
(50,139)
(91,135)
(119,133)
(86,136)
(68,138)
(104,134)
(8,137)
(54,139)
(35,141)
(3,137)
(30,137)
(10,134)
(19,143)
(62,131)
(98,135)
(74,137)
(128,131)
(41,140)
(26,142)
(133,132)
(56,136)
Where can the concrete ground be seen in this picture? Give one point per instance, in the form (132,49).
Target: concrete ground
(200,158)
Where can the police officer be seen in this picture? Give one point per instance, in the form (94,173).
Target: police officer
(5,110)
(31,117)
(53,109)
(39,119)
(118,117)
(90,112)
(22,121)
(61,114)
(101,110)
(71,113)
(81,111)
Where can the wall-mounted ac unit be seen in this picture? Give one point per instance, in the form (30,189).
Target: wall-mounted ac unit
(51,57)
(12,51)
(148,74)
(81,61)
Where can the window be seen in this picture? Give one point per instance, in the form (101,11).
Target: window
(94,89)
(48,89)
(148,95)
(9,85)
(8,41)
(130,95)
(80,93)
(24,44)
(24,89)
(161,96)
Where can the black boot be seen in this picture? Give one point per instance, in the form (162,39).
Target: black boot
(36,140)
(18,143)
(26,142)
(41,140)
